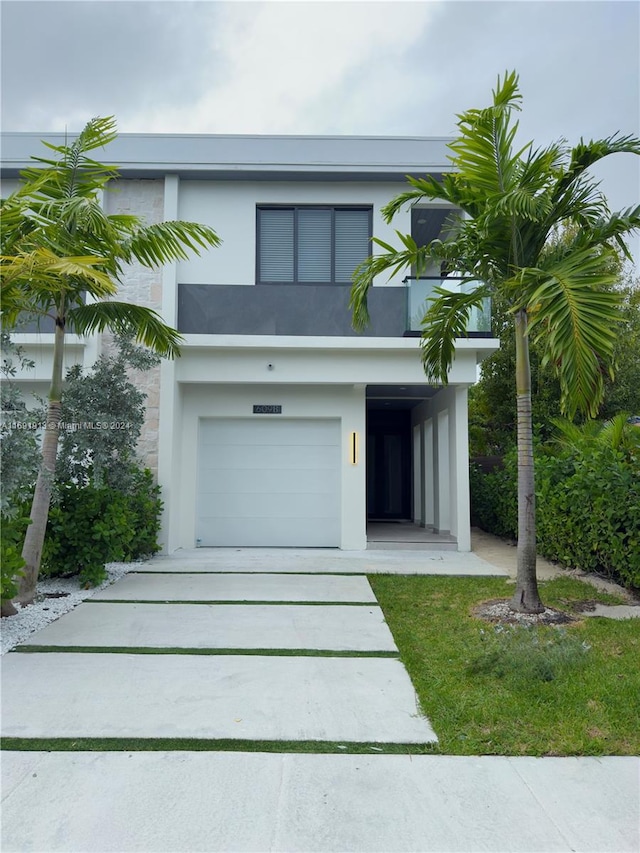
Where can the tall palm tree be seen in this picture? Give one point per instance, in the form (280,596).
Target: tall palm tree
(512,201)
(62,257)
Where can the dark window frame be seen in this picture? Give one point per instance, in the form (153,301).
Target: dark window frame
(365,208)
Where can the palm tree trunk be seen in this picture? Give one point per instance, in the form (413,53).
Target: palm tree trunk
(526,598)
(34,539)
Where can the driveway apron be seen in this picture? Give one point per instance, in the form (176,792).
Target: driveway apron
(217,655)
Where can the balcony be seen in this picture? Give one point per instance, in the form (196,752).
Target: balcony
(421,289)
(313,310)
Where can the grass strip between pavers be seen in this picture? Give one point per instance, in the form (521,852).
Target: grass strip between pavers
(178,650)
(362,574)
(233,602)
(98,744)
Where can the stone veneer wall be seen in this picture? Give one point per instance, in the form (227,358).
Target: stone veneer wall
(142,286)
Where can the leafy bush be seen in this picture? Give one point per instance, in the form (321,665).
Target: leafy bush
(587,501)
(107,413)
(589,513)
(89,527)
(106,508)
(11,562)
(494,498)
(19,451)
(522,653)
(145,506)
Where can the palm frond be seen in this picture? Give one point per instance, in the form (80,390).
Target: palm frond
(145,325)
(613,227)
(43,269)
(521,203)
(445,320)
(615,433)
(154,245)
(483,152)
(422,188)
(97,132)
(392,262)
(584,155)
(574,314)
(73,173)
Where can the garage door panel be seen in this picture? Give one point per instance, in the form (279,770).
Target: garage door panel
(242,432)
(269,483)
(294,506)
(269,457)
(248,532)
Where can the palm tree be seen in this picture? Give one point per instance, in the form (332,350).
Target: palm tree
(512,201)
(62,257)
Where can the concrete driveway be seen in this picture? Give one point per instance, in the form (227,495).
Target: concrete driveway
(235,653)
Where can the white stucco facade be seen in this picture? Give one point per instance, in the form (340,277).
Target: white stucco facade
(371,387)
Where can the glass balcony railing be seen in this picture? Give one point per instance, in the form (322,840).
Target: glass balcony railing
(420,290)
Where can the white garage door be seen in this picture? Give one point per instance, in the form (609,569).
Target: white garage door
(269,483)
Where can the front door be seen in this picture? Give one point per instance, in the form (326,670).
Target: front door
(388,465)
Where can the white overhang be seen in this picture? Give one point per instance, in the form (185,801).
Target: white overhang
(273,360)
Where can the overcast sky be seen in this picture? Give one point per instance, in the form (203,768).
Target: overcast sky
(325,67)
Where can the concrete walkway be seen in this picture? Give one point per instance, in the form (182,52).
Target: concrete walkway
(226,801)
(236,645)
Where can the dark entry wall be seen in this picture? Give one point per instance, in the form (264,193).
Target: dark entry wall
(388,465)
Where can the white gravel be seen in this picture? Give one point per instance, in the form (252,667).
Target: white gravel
(28,620)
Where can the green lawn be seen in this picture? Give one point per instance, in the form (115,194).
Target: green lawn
(573,690)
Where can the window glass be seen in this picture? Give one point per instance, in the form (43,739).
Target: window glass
(352,242)
(276,245)
(312,245)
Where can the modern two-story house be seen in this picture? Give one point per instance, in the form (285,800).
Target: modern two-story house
(279,425)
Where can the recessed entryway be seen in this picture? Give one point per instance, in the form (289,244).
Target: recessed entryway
(388,465)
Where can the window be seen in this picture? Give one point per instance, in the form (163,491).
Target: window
(312,245)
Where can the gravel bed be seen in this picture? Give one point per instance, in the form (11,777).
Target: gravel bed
(28,620)
(498,610)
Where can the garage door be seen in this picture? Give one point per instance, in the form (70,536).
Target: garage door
(269,483)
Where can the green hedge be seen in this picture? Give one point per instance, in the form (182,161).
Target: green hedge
(12,535)
(494,499)
(89,527)
(587,509)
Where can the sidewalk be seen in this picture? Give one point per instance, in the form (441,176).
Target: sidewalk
(165,802)
(225,647)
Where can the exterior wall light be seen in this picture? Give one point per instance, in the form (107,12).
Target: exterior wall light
(353,448)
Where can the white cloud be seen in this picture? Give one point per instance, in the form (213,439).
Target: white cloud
(281,59)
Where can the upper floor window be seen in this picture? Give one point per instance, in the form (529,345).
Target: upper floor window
(311,245)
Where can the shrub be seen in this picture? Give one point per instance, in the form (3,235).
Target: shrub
(144,506)
(89,527)
(494,498)
(11,562)
(19,450)
(589,513)
(587,506)
(107,412)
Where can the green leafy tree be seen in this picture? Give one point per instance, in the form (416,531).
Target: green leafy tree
(62,257)
(19,457)
(105,411)
(622,394)
(19,453)
(558,293)
(492,401)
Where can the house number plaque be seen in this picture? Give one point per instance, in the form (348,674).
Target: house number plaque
(267,410)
